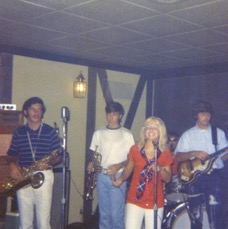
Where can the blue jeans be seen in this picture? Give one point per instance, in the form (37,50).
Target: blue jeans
(111,202)
(209,186)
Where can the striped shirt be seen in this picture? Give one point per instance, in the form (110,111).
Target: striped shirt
(30,145)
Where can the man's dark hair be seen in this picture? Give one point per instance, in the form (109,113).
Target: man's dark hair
(114,107)
(202,106)
(31,101)
(173,136)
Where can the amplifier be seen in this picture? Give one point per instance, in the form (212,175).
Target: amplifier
(10,120)
(12,220)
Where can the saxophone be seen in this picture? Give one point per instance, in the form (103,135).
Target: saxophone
(92,175)
(29,177)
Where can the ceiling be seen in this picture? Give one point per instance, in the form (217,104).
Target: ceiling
(138,35)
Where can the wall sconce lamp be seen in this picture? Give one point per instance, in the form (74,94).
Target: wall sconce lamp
(80,87)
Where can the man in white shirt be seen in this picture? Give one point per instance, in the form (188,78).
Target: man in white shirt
(113,143)
(197,143)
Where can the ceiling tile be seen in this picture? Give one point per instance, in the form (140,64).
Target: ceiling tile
(222,29)
(212,59)
(20,10)
(78,43)
(209,15)
(29,33)
(219,48)
(169,7)
(190,53)
(115,35)
(200,38)
(67,23)
(162,25)
(111,11)
(57,4)
(157,45)
(137,34)
(121,52)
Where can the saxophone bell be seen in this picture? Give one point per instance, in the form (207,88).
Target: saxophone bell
(37,180)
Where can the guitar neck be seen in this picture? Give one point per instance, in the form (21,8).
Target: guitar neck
(217,153)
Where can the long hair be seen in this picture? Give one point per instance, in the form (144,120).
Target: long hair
(162,141)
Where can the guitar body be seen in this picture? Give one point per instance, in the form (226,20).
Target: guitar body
(189,170)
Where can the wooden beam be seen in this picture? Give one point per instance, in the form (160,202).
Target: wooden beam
(6,74)
(102,74)
(90,127)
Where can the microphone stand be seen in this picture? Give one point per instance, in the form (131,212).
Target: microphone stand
(155,143)
(65,114)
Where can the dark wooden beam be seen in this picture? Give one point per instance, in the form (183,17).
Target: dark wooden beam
(102,74)
(90,127)
(6,74)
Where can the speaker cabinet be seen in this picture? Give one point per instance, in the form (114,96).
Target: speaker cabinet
(58,210)
(10,120)
(12,220)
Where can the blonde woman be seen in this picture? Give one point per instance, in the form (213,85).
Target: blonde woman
(140,199)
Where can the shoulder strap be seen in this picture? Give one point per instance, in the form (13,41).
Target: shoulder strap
(214,136)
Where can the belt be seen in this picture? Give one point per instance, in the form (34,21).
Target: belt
(48,168)
(105,170)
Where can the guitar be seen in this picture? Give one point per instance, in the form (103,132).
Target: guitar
(189,170)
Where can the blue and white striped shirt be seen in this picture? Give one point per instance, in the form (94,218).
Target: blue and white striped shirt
(43,142)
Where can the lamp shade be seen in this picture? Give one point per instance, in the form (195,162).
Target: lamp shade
(80,87)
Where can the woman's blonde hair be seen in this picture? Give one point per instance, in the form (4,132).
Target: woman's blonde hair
(162,141)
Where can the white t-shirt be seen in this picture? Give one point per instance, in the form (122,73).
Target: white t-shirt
(112,144)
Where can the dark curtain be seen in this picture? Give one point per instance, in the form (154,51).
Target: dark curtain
(174,99)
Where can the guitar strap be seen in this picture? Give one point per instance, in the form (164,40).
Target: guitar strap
(214,137)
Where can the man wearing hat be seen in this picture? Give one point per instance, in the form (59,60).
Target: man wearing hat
(205,190)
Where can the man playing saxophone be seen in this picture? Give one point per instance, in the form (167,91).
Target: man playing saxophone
(31,145)
(113,143)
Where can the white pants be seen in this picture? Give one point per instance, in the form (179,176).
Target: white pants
(40,199)
(135,215)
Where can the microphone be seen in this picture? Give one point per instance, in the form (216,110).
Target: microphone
(65,113)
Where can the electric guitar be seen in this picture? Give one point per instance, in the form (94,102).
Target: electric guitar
(189,170)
